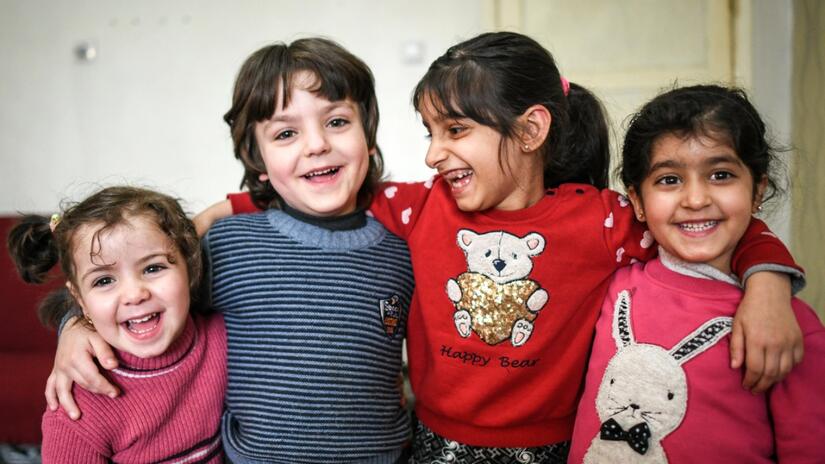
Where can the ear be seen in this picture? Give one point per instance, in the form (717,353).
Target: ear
(622,325)
(535,123)
(535,243)
(701,339)
(759,193)
(73,291)
(636,201)
(465,238)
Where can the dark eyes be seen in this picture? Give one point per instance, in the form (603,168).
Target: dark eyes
(668,180)
(721,175)
(338,122)
(154,268)
(283,135)
(669,396)
(488,253)
(102,282)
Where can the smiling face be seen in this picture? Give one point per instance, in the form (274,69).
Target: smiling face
(132,283)
(697,199)
(466,155)
(315,151)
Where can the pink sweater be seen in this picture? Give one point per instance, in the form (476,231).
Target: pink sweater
(654,402)
(169,409)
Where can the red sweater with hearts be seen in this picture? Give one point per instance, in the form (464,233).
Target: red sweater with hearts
(491,365)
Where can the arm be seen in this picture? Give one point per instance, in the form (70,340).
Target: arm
(204,220)
(766,338)
(77,347)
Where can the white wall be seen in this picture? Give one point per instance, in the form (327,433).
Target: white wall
(147,110)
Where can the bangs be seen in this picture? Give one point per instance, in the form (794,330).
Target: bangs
(286,69)
(463,91)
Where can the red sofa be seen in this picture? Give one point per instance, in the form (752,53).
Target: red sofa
(26,351)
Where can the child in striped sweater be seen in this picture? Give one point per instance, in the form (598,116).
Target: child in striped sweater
(314,292)
(132,262)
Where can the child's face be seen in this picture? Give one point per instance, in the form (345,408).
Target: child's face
(697,199)
(132,291)
(466,154)
(315,151)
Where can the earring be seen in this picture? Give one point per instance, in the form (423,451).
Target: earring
(527,147)
(759,208)
(88,321)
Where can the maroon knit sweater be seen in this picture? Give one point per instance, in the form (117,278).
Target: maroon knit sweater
(169,409)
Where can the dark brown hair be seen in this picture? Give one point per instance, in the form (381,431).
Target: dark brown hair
(494,77)
(35,249)
(267,77)
(723,114)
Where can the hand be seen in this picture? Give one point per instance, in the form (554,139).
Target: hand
(204,220)
(766,336)
(74,362)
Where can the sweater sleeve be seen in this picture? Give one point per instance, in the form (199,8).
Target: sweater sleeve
(797,404)
(398,205)
(242,203)
(758,250)
(62,444)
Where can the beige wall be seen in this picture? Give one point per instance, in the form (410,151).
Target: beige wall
(808,179)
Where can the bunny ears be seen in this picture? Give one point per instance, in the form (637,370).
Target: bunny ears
(688,348)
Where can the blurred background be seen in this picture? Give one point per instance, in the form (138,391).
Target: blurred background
(98,92)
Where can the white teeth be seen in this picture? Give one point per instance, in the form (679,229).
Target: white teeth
(698,226)
(321,173)
(143,319)
(131,323)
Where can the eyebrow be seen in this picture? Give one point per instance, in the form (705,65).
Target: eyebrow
(712,161)
(332,106)
(105,267)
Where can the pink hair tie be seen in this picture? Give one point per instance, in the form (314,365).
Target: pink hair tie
(565,85)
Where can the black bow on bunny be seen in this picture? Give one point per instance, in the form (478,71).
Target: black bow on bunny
(636,437)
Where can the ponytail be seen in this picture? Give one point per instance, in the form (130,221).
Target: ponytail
(583,154)
(34,251)
(32,248)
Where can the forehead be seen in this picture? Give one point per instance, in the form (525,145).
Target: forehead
(689,147)
(123,237)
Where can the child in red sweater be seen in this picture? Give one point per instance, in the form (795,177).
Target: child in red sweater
(132,262)
(697,165)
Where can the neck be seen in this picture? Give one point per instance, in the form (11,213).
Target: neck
(528,176)
(698,270)
(350,221)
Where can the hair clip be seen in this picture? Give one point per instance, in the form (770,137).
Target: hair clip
(54,221)
(565,85)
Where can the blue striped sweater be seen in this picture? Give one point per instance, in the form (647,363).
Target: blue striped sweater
(314,320)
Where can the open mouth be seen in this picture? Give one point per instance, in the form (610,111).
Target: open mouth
(696,227)
(143,324)
(459,178)
(322,174)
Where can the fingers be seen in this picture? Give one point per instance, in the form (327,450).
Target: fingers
(88,376)
(103,352)
(798,353)
(51,392)
(737,345)
(754,366)
(63,386)
(770,373)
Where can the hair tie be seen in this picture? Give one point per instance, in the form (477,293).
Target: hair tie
(54,221)
(565,85)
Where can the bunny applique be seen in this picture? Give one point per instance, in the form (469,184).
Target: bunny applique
(643,394)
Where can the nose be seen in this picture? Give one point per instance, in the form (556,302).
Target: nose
(634,405)
(134,292)
(316,142)
(435,155)
(499,264)
(696,195)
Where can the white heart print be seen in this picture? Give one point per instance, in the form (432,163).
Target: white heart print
(647,239)
(619,254)
(609,221)
(405,215)
(389,192)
